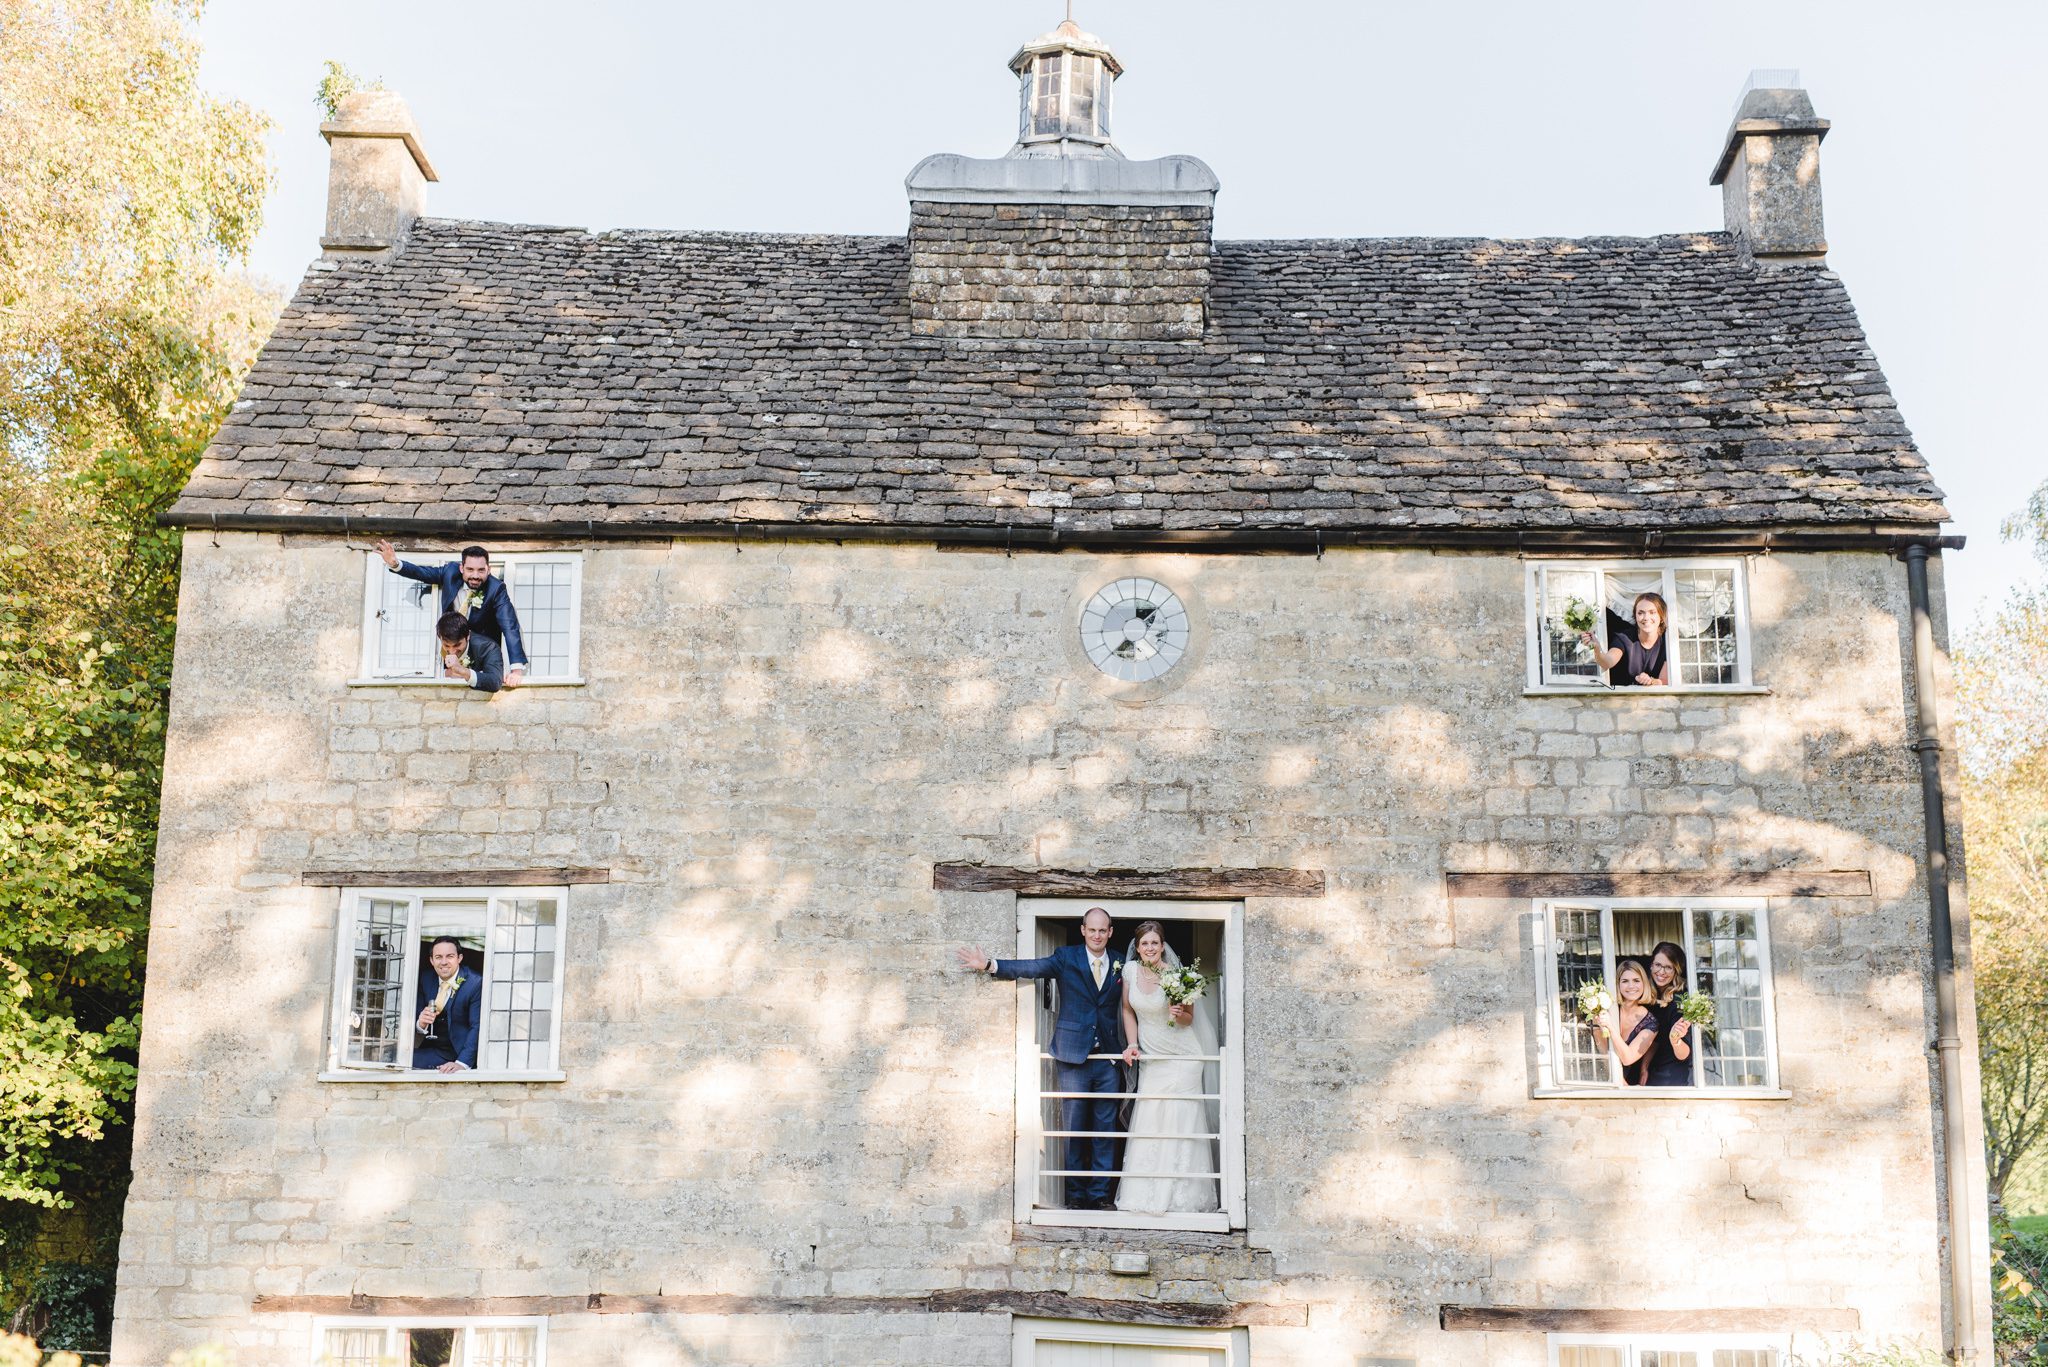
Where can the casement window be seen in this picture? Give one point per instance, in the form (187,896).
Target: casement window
(511,941)
(496,1342)
(1706,602)
(1727,948)
(1064,1343)
(1622,1350)
(399,616)
(1212,932)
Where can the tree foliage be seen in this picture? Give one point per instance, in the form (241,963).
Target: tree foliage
(129,199)
(2002,678)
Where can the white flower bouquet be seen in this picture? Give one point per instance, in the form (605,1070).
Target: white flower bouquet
(1595,1000)
(1698,1008)
(1184,984)
(1579,615)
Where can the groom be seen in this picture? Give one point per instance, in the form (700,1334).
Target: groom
(1090,1022)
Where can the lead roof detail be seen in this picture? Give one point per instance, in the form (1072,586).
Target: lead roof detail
(505,375)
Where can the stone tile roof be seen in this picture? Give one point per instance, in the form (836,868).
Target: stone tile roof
(507,375)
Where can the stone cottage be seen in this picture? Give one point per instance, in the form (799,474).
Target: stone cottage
(885,596)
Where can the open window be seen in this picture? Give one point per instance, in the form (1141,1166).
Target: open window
(1706,636)
(1191,1155)
(1622,1350)
(399,616)
(496,1342)
(1064,1343)
(1726,951)
(509,940)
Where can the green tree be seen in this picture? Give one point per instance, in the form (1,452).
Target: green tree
(2002,685)
(129,198)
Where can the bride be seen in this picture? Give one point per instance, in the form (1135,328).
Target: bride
(1170,1159)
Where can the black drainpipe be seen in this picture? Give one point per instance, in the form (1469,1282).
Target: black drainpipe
(1948,1043)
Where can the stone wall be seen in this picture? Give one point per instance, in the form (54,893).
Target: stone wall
(776,1085)
(1077,272)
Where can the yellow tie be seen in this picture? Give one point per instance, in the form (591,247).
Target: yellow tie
(1099,966)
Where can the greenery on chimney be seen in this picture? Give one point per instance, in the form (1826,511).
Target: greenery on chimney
(338,84)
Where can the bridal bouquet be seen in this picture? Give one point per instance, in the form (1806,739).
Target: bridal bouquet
(1182,985)
(1698,1008)
(1595,1000)
(1579,615)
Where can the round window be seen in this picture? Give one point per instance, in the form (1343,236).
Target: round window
(1134,629)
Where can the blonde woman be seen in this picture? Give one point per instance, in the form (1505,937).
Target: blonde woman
(1630,1029)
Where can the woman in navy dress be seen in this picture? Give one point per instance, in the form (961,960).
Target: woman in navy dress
(1631,1027)
(1635,655)
(1671,1060)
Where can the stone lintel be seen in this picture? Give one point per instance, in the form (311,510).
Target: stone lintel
(1215,883)
(1676,883)
(1776,1319)
(1038,1304)
(452,878)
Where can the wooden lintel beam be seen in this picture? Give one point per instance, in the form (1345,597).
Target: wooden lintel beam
(1776,1319)
(451,878)
(1678,883)
(1040,1304)
(1128,882)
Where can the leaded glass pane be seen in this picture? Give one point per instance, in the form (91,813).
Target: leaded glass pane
(431,1347)
(1703,627)
(353,1348)
(542,593)
(1665,1357)
(1580,960)
(1589,1355)
(1745,1357)
(406,612)
(1081,92)
(377,1006)
(1728,966)
(520,1026)
(1568,596)
(1050,69)
(503,1347)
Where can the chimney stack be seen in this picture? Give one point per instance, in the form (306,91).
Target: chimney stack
(376,175)
(1769,173)
(1063,239)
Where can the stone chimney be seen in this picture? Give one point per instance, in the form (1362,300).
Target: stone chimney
(1769,173)
(1063,239)
(376,175)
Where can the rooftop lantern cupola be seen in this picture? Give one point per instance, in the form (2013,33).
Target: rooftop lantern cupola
(1065,77)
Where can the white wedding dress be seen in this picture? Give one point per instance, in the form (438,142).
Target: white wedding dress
(1170,1069)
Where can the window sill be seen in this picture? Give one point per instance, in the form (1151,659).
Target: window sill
(1661,690)
(429,1076)
(1216,1222)
(1660,1094)
(416,682)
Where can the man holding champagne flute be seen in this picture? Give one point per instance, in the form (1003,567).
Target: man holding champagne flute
(451,1004)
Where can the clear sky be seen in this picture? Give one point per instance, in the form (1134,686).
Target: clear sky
(1323,118)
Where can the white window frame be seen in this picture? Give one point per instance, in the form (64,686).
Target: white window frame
(340,1069)
(1028,1334)
(1549,1010)
(372,674)
(1632,1345)
(389,1323)
(1534,574)
(1030,1123)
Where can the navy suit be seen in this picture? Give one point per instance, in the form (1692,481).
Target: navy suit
(495,619)
(1090,1021)
(457,1028)
(486,661)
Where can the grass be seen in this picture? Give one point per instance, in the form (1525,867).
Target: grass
(2031,1224)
